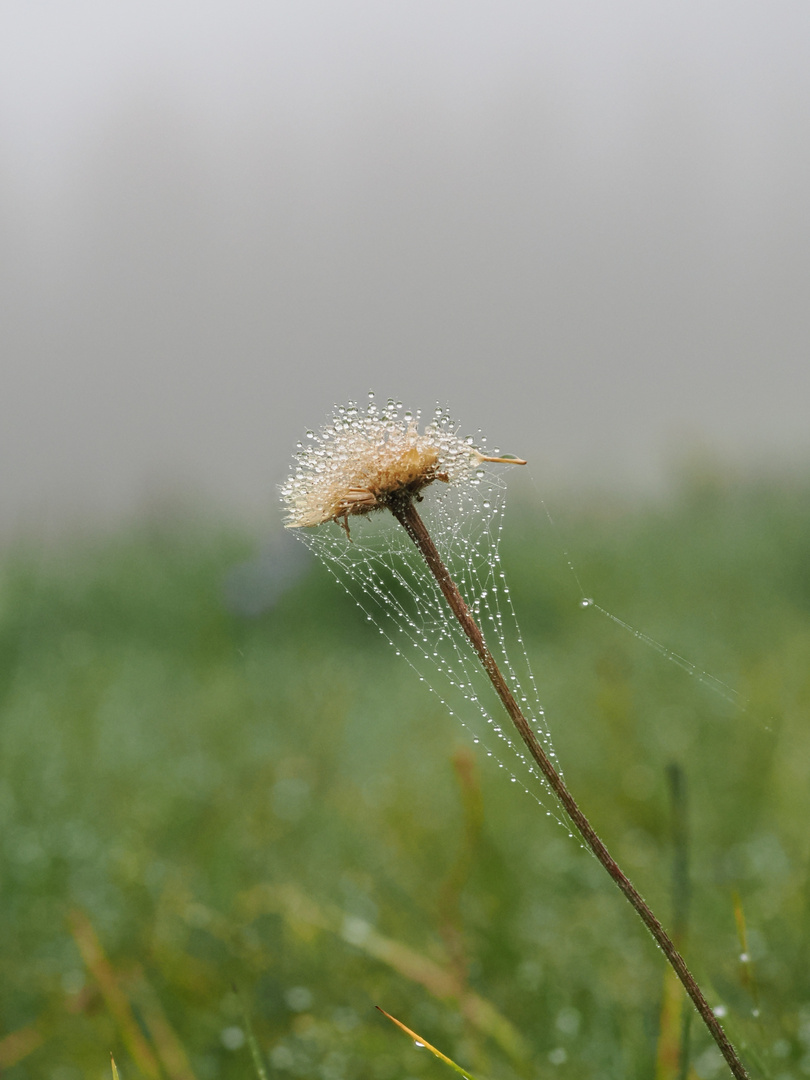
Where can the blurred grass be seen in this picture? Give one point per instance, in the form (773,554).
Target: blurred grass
(197,794)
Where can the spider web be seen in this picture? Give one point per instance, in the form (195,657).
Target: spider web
(382,570)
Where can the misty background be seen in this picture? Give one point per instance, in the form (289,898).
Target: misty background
(584,226)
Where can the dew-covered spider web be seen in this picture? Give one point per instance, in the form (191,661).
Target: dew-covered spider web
(379,565)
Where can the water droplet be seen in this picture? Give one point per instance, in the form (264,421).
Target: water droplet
(418,1045)
(586,601)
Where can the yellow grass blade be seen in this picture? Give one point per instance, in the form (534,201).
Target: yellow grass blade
(18,1045)
(115,999)
(420,1042)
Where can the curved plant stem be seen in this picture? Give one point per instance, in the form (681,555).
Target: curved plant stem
(406,514)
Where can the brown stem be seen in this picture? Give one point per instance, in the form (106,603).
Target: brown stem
(406,514)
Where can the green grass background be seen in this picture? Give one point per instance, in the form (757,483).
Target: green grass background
(268,815)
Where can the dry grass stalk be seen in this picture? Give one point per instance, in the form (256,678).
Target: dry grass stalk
(370,461)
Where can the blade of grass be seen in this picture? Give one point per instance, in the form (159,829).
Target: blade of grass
(747,977)
(18,1045)
(672,1055)
(255,1052)
(114,997)
(420,1042)
(449,906)
(170,1050)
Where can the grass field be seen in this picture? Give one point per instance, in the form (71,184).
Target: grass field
(225,804)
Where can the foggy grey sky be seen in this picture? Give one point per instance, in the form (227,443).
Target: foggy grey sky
(584,226)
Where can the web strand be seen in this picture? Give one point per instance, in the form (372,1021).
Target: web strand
(705,678)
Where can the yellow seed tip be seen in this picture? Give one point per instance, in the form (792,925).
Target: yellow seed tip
(505,459)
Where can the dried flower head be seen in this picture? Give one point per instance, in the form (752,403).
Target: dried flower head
(370,460)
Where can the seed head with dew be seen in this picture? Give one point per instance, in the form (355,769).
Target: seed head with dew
(371,460)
